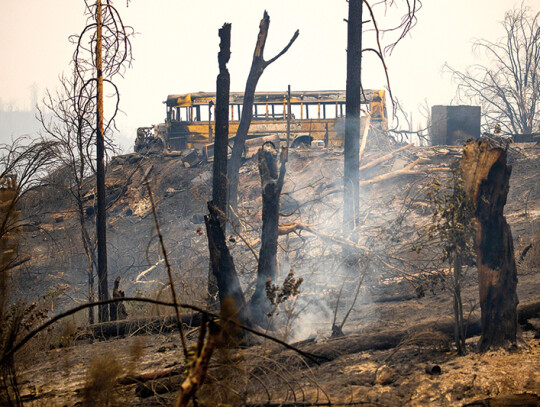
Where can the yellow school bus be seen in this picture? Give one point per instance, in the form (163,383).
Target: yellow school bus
(315,116)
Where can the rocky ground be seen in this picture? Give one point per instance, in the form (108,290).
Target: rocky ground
(398,295)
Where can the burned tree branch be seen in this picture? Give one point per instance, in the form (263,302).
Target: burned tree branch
(258,66)
(199,366)
(407,170)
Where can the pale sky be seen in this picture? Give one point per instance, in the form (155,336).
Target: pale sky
(176,49)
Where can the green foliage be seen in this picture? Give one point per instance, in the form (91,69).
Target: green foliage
(452,218)
(452,227)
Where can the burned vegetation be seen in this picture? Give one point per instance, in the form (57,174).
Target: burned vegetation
(366,323)
(344,267)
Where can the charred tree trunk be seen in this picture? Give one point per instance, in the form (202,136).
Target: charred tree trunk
(351,198)
(101,220)
(219,184)
(223,264)
(258,66)
(219,181)
(487,177)
(271,185)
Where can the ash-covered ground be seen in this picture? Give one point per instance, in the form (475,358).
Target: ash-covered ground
(394,293)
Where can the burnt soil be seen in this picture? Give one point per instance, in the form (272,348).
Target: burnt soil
(400,289)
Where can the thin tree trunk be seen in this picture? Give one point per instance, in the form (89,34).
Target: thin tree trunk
(89,256)
(101,221)
(91,294)
(351,198)
(87,244)
(487,177)
(258,66)
(221,143)
(271,185)
(459,330)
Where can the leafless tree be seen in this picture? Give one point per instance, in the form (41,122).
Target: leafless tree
(508,86)
(103,50)
(23,164)
(258,65)
(71,111)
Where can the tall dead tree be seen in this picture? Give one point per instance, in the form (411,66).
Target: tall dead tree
(221,143)
(351,199)
(258,66)
(101,211)
(486,176)
(271,185)
(223,279)
(103,49)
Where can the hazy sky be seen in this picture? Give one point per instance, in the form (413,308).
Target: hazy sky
(176,49)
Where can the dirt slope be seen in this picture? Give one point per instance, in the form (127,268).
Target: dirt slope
(392,213)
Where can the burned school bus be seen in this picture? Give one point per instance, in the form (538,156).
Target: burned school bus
(315,116)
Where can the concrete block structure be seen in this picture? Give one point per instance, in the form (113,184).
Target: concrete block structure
(452,125)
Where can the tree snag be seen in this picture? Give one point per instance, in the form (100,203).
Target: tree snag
(271,185)
(221,142)
(258,66)
(101,217)
(486,176)
(351,198)
(219,183)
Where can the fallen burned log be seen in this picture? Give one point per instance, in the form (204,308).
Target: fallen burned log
(407,170)
(156,387)
(137,326)
(356,343)
(383,158)
(339,182)
(290,227)
(145,377)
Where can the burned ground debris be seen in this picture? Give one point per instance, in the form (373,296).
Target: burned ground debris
(313,248)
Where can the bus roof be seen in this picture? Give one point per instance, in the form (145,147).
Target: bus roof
(236,98)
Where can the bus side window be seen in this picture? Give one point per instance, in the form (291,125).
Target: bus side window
(296,111)
(329,111)
(204,112)
(277,112)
